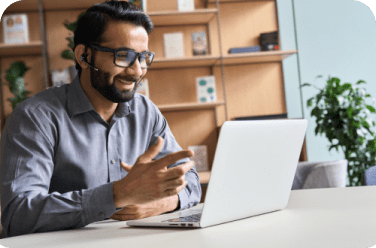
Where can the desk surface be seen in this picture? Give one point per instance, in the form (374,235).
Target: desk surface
(335,217)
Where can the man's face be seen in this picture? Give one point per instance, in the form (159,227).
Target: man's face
(118,84)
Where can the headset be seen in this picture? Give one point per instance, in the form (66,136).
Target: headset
(84,59)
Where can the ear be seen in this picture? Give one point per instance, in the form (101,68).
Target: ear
(78,52)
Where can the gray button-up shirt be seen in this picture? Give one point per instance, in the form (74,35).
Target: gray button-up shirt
(59,159)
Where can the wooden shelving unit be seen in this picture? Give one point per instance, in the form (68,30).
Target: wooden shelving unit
(257,57)
(189,106)
(165,18)
(230,59)
(247,84)
(32,48)
(204,60)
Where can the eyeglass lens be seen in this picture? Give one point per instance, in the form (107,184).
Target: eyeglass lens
(127,58)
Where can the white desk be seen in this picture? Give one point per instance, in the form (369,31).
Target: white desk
(336,217)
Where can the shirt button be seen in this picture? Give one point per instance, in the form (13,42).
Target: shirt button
(101,215)
(113,161)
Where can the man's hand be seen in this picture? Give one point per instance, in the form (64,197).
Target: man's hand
(149,180)
(133,212)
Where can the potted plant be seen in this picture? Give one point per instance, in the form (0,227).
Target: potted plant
(71,26)
(16,83)
(343,116)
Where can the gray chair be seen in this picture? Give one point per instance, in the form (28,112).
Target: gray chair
(370,176)
(324,174)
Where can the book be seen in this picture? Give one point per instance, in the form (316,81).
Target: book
(143,87)
(140,3)
(16,29)
(206,91)
(199,43)
(186,5)
(173,45)
(244,49)
(60,77)
(200,157)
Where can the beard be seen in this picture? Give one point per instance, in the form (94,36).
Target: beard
(101,82)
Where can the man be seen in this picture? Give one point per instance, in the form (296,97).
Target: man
(66,153)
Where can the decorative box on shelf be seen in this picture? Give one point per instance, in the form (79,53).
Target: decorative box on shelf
(206,89)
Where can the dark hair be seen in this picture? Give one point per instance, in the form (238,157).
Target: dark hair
(93,23)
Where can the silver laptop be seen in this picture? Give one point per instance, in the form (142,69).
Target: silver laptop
(252,174)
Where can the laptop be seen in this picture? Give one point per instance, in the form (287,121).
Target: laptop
(252,174)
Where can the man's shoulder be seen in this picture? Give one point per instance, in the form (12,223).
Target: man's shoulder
(142,103)
(47,101)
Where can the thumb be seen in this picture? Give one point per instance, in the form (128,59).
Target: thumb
(126,167)
(152,152)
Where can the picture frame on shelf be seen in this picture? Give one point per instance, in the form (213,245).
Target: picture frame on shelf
(200,157)
(174,45)
(15,29)
(186,5)
(199,43)
(206,89)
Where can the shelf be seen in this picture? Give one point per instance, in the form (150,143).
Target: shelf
(189,106)
(205,60)
(256,57)
(234,1)
(32,48)
(230,59)
(204,177)
(166,18)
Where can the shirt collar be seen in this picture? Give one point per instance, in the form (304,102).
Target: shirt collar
(78,102)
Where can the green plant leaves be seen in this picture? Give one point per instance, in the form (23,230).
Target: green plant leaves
(16,83)
(342,115)
(71,26)
(371,109)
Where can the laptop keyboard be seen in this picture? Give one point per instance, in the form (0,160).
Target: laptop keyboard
(189,218)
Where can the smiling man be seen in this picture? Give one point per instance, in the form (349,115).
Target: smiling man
(94,149)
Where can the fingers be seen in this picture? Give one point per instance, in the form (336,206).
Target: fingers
(172,158)
(126,167)
(178,171)
(175,191)
(175,183)
(152,152)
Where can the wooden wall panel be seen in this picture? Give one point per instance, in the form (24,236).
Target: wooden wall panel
(56,37)
(194,128)
(172,86)
(242,22)
(166,5)
(254,89)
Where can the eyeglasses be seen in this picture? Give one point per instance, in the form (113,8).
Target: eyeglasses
(125,57)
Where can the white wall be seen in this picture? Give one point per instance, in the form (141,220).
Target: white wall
(334,38)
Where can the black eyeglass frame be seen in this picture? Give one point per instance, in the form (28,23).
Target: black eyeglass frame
(115,51)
